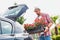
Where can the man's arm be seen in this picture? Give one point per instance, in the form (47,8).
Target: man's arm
(50,23)
(47,27)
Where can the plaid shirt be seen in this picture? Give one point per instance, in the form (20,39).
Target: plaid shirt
(47,20)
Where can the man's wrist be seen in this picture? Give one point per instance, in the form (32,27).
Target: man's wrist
(46,29)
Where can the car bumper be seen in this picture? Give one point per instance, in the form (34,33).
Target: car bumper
(15,37)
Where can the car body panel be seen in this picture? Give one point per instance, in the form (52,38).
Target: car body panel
(18,35)
(17,31)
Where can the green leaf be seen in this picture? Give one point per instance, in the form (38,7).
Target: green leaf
(21,20)
(54,18)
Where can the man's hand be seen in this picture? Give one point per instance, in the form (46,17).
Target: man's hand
(46,29)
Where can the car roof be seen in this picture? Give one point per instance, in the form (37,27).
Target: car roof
(6,19)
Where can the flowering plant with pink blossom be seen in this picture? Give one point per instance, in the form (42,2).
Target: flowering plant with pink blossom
(36,23)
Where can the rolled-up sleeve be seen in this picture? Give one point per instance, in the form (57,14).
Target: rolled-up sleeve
(48,18)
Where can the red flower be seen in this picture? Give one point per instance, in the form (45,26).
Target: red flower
(28,26)
(32,25)
(38,22)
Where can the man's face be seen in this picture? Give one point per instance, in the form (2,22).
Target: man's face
(37,11)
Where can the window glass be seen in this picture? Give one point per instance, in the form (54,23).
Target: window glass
(6,27)
(14,11)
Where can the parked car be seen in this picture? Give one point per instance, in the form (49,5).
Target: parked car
(10,29)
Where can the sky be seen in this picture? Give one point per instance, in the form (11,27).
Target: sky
(52,7)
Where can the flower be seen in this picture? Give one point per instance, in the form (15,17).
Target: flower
(37,22)
(28,26)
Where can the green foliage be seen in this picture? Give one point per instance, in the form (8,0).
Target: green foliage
(56,37)
(53,32)
(29,28)
(59,30)
(21,20)
(54,18)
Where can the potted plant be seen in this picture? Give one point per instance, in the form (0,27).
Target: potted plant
(37,26)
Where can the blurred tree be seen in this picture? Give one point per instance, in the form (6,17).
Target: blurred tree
(54,20)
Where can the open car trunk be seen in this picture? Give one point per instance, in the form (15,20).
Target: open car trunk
(14,12)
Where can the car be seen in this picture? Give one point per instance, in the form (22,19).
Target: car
(10,29)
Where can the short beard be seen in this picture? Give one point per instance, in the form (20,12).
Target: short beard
(38,14)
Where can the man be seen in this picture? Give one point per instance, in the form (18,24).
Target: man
(46,35)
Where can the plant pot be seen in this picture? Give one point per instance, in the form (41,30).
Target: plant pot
(36,30)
